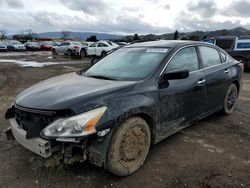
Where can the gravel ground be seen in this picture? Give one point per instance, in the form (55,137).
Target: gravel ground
(214,152)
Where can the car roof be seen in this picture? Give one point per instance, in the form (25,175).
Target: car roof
(166,43)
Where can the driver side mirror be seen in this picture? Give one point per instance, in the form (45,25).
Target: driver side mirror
(172,75)
(176,75)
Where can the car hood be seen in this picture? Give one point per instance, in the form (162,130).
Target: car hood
(69,91)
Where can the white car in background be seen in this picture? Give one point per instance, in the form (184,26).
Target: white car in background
(67,48)
(101,48)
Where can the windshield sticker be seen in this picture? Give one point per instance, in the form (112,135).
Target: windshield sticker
(157,50)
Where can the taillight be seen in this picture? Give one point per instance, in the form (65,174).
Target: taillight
(76,46)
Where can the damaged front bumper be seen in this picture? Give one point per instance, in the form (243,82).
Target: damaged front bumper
(92,148)
(37,145)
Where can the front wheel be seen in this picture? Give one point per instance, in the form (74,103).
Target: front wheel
(69,52)
(129,147)
(83,53)
(103,54)
(230,99)
(54,52)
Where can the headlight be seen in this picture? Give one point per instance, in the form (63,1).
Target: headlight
(75,126)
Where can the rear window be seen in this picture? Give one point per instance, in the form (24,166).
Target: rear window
(225,43)
(210,56)
(223,56)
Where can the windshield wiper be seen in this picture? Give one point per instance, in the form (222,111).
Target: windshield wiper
(101,77)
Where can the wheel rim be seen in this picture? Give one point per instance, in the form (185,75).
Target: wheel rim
(231,98)
(133,145)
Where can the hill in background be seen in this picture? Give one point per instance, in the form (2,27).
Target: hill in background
(196,35)
(80,35)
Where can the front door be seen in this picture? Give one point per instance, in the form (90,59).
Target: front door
(91,49)
(183,100)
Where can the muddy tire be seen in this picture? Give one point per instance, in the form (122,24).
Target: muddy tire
(129,147)
(69,52)
(230,99)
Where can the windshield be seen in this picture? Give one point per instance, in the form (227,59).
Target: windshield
(128,64)
(16,43)
(47,43)
(77,43)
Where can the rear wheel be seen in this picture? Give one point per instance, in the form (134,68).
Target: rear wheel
(129,147)
(230,99)
(69,52)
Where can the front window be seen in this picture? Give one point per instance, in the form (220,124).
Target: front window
(185,59)
(76,43)
(16,43)
(128,63)
(93,45)
(102,45)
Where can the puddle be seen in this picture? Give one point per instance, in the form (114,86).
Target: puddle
(34,63)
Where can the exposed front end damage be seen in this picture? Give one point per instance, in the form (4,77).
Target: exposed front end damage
(26,125)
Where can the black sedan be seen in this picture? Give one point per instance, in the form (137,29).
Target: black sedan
(129,100)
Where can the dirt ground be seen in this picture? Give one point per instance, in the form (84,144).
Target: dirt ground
(212,153)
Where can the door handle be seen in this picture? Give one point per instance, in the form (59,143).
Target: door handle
(226,71)
(201,82)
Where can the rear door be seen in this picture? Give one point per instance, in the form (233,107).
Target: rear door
(183,100)
(217,72)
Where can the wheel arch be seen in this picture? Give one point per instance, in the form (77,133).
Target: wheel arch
(236,82)
(100,149)
(151,123)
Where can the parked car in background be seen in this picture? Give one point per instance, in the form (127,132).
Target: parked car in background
(130,99)
(67,48)
(55,43)
(237,47)
(3,47)
(122,43)
(32,46)
(85,43)
(101,48)
(14,45)
(46,45)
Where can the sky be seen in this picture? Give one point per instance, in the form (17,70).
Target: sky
(123,16)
